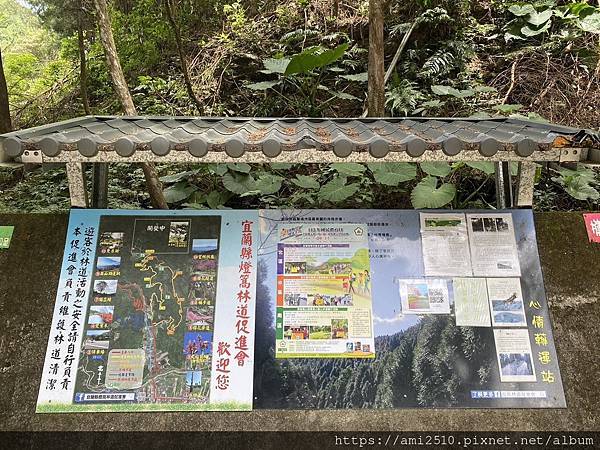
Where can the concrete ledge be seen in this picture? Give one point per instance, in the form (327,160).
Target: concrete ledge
(28,279)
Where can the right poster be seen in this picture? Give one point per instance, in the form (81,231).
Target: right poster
(458,309)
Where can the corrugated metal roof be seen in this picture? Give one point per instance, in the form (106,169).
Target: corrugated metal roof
(235,136)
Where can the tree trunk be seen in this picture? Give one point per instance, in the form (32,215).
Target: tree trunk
(376,88)
(170,10)
(5,122)
(82,62)
(112,58)
(153,184)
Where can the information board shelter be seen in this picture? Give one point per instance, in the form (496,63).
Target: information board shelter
(213,310)
(105,139)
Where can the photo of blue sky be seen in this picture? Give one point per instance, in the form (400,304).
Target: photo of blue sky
(204,245)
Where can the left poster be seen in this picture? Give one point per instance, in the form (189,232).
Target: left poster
(154,312)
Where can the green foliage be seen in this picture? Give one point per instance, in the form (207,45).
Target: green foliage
(297,60)
(533,19)
(486,167)
(426,194)
(402,99)
(314,58)
(306,182)
(436,169)
(579,183)
(337,190)
(392,174)
(349,169)
(303,77)
(178,192)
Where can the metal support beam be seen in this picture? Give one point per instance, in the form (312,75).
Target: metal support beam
(525,183)
(77,187)
(100,186)
(504,196)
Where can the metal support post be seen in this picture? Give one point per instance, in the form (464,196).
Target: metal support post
(504,196)
(100,185)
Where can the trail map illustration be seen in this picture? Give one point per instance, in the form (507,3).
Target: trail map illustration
(149,328)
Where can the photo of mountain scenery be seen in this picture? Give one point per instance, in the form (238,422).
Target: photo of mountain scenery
(420,360)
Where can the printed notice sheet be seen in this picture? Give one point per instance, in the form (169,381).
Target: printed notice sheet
(506,302)
(514,355)
(471,302)
(424,296)
(445,245)
(493,245)
(324,305)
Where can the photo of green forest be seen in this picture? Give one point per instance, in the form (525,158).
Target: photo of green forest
(536,60)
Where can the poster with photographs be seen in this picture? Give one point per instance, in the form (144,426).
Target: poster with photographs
(506,302)
(324,292)
(493,245)
(154,322)
(445,244)
(424,296)
(515,359)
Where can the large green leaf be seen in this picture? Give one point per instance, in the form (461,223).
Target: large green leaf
(392,174)
(275,65)
(581,171)
(350,169)
(337,190)
(238,183)
(522,10)
(487,167)
(360,77)
(268,183)
(216,199)
(591,23)
(448,90)
(314,58)
(436,168)
(178,192)
(263,85)
(239,167)
(514,31)
(579,188)
(177,176)
(306,182)
(218,169)
(539,18)
(534,31)
(426,194)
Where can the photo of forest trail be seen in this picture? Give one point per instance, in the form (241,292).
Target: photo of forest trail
(536,60)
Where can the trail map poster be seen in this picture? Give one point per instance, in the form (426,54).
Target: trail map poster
(154,311)
(324,306)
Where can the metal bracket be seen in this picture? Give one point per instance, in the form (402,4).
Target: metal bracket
(32,157)
(572,154)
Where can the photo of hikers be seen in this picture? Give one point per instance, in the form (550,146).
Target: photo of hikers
(329,300)
(295,268)
(359,283)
